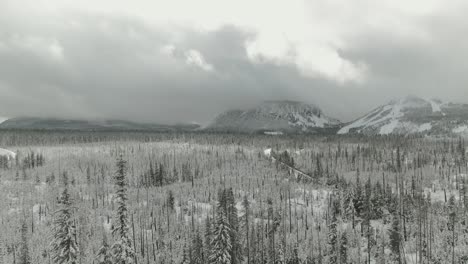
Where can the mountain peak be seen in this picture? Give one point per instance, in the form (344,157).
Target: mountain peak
(411,115)
(283,115)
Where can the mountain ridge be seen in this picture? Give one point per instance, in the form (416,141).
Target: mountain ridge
(278,115)
(39,123)
(411,115)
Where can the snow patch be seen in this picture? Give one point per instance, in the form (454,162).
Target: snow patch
(460,129)
(389,128)
(273,133)
(389,118)
(425,127)
(6,152)
(435,106)
(375,118)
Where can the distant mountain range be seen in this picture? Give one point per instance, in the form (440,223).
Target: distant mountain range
(405,116)
(89,125)
(276,116)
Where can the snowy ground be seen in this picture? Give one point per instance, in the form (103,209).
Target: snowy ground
(6,152)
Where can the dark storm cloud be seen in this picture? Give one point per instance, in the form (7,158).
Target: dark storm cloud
(107,66)
(434,68)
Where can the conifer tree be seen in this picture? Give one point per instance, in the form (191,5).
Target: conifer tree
(104,255)
(207,237)
(24,257)
(246,226)
(197,254)
(64,244)
(170,200)
(122,251)
(231,210)
(358,196)
(344,248)
(332,235)
(221,243)
(395,238)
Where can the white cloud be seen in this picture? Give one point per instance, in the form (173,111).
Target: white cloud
(56,50)
(168,50)
(194,57)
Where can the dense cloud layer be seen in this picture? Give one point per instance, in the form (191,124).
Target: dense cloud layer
(161,63)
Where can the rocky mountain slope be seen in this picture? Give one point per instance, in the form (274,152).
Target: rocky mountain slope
(412,115)
(283,116)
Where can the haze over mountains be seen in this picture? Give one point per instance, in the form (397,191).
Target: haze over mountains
(87,125)
(409,115)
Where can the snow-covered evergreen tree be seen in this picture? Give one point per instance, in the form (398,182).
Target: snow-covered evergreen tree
(104,255)
(231,210)
(64,244)
(24,257)
(196,249)
(246,226)
(332,235)
(221,243)
(122,251)
(207,237)
(344,248)
(395,238)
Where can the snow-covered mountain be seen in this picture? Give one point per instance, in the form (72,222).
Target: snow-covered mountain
(412,115)
(284,116)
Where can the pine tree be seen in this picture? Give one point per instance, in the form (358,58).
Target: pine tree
(344,248)
(294,258)
(207,237)
(170,200)
(64,244)
(332,235)
(270,232)
(358,196)
(122,251)
(231,210)
(197,253)
(185,254)
(104,255)
(395,238)
(88,175)
(221,243)
(398,168)
(246,226)
(24,257)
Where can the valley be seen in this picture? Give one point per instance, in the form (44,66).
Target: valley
(378,199)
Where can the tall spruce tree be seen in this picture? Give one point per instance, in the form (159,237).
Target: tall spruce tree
(332,234)
(221,243)
(246,226)
(64,244)
(122,251)
(344,248)
(395,238)
(24,257)
(196,249)
(104,255)
(231,210)
(207,237)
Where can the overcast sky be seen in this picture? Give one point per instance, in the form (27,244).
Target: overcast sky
(183,61)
